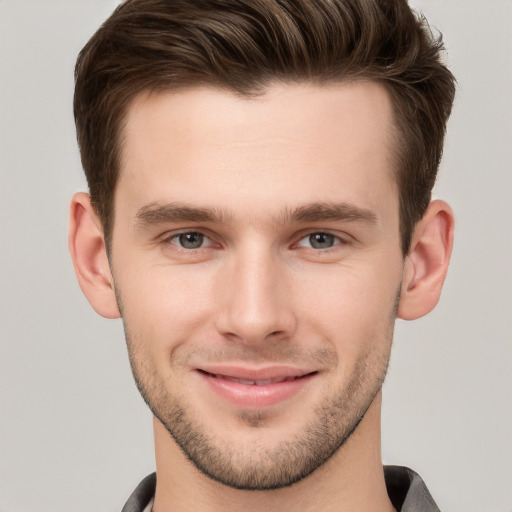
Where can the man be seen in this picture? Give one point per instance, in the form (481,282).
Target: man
(260,176)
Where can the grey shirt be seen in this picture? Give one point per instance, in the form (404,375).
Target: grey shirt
(406,490)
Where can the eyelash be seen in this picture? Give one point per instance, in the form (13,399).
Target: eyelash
(171,240)
(337,241)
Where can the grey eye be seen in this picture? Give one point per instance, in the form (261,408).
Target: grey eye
(321,240)
(191,240)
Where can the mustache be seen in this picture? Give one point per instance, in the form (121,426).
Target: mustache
(268,352)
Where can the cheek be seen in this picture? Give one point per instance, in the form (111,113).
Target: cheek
(351,307)
(163,306)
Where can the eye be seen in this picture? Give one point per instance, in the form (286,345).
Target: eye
(191,240)
(319,241)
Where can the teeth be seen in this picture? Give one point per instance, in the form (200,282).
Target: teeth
(246,382)
(255,382)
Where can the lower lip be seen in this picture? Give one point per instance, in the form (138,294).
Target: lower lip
(254,396)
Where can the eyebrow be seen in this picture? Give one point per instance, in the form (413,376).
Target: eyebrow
(156,213)
(323,212)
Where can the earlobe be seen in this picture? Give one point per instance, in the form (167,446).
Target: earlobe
(89,255)
(426,264)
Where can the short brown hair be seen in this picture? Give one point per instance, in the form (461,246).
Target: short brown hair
(245,45)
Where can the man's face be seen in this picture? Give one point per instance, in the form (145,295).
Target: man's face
(257,263)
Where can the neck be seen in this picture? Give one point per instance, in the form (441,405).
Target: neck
(351,480)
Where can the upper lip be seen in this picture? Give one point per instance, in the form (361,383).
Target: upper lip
(269,373)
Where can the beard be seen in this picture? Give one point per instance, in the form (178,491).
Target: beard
(260,465)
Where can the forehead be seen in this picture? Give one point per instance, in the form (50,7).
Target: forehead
(291,144)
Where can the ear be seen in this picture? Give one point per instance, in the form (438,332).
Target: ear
(89,255)
(426,264)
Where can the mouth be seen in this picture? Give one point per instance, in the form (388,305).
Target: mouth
(254,382)
(249,388)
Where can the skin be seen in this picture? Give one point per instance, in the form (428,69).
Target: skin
(292,259)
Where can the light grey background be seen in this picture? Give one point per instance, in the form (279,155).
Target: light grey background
(74,434)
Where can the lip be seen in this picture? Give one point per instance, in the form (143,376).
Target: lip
(256,388)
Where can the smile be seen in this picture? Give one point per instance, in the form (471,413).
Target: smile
(255,389)
(265,382)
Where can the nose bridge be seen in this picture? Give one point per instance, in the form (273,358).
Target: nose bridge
(255,300)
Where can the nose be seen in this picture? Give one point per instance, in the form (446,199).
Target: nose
(255,299)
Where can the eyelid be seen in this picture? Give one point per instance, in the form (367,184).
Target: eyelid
(342,239)
(170,236)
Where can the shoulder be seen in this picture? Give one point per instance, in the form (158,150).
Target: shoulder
(142,495)
(407,491)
